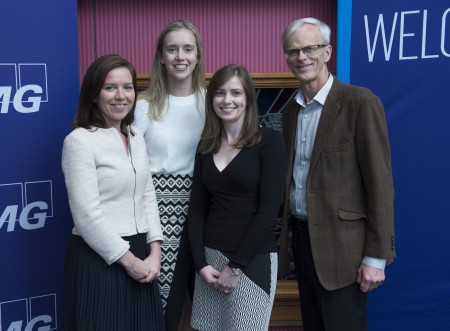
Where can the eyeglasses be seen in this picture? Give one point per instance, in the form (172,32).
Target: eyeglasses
(307,50)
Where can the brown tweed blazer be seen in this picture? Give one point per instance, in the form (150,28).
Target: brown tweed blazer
(349,187)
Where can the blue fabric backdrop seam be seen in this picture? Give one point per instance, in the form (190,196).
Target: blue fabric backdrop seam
(344,39)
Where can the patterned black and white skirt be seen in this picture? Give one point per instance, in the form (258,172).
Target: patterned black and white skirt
(247,307)
(172,193)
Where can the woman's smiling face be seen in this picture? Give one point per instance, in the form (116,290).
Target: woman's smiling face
(116,97)
(179,54)
(230,101)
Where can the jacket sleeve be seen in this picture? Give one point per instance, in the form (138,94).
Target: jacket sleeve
(374,157)
(81,180)
(152,212)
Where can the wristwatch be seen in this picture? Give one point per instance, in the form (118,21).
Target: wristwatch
(236,271)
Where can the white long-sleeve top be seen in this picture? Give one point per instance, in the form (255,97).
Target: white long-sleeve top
(172,141)
(111,193)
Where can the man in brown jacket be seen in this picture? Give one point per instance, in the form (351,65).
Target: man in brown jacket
(339,195)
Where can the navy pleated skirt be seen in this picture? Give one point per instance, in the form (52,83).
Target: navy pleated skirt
(102,297)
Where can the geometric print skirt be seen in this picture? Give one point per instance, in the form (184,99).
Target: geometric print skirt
(172,194)
(248,307)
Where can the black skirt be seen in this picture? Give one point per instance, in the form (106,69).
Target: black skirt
(102,297)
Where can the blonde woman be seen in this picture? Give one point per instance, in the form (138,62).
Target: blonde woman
(170,114)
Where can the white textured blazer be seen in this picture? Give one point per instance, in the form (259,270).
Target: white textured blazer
(111,194)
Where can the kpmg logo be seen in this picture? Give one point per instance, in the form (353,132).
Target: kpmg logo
(23,87)
(32,314)
(25,205)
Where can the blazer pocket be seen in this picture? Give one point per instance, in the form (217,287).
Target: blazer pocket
(346,215)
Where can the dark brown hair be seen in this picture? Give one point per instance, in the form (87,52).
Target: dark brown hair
(88,115)
(213,129)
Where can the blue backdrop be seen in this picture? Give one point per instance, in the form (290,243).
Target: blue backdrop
(401,50)
(38,94)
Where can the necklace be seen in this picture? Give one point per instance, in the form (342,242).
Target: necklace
(232,143)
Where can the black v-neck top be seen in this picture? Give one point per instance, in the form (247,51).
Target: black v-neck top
(235,210)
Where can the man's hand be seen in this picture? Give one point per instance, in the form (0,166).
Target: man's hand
(369,278)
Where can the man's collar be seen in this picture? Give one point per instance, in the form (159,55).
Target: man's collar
(320,97)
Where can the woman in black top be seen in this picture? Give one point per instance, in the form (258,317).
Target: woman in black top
(239,178)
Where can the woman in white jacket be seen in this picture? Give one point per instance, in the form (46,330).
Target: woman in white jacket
(115,251)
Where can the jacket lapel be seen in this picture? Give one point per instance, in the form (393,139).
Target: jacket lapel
(330,111)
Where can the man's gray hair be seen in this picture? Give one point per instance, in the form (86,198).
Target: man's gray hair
(325,30)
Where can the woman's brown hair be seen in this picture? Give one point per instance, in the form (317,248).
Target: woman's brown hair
(213,129)
(88,115)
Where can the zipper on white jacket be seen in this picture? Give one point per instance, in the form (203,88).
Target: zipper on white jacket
(135,181)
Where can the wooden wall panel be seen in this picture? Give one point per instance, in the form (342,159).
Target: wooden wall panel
(245,32)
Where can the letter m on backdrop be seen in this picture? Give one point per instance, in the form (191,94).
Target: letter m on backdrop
(32,314)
